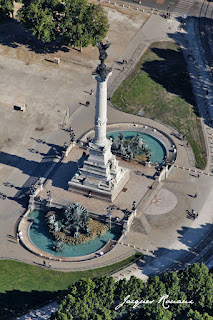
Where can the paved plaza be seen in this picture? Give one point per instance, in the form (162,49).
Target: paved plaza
(34,138)
(81,120)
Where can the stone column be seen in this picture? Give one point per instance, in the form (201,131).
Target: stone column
(101,110)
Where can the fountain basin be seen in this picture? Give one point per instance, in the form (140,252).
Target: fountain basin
(40,237)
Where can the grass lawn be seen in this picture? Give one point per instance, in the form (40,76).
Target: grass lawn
(24,287)
(160,88)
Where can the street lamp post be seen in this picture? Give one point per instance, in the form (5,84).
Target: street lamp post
(167,14)
(110,217)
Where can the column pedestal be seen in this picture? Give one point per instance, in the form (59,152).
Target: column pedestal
(100,176)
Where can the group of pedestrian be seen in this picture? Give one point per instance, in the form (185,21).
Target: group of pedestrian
(3,196)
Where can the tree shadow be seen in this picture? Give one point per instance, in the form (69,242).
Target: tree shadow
(15,303)
(14,35)
(168,260)
(170,71)
(202,30)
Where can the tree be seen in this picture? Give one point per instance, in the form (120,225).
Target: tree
(77,21)
(96,23)
(40,16)
(73,26)
(83,23)
(197,283)
(173,290)
(6,9)
(88,299)
(195,315)
(97,299)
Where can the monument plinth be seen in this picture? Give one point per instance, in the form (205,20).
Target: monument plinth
(100,176)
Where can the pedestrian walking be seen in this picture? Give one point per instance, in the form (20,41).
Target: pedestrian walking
(193,214)
(44,263)
(198,175)
(91,92)
(195,196)
(197,215)
(49,265)
(187,144)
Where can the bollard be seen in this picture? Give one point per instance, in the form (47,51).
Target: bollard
(57,60)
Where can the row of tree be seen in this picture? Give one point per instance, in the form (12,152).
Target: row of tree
(77,22)
(103,298)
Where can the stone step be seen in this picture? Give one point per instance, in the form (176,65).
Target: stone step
(141,225)
(146,224)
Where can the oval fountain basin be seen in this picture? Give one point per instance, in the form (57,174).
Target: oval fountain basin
(41,238)
(157,149)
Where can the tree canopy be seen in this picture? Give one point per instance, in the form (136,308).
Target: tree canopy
(103,299)
(6,9)
(78,22)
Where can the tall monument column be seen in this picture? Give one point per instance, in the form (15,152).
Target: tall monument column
(101,110)
(100,175)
